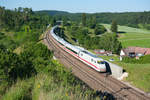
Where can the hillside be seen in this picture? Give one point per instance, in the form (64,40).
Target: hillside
(133,19)
(52,12)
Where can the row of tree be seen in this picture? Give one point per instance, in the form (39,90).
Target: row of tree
(99,29)
(133,19)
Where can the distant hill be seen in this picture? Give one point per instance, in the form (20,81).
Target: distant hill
(52,12)
(132,19)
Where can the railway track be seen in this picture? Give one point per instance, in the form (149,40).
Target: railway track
(95,80)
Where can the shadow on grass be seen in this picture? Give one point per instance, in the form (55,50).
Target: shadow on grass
(121,32)
(105,95)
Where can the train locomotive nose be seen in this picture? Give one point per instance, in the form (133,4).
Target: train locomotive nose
(103,68)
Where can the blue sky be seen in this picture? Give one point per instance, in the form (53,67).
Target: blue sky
(89,6)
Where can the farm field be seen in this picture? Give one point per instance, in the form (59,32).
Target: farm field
(132,36)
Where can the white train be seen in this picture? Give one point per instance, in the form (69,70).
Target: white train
(80,53)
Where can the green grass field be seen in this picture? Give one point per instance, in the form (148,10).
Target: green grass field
(139,75)
(133,36)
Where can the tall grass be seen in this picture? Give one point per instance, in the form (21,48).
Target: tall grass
(19,91)
(53,83)
(46,89)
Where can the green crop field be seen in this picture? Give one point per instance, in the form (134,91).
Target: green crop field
(132,36)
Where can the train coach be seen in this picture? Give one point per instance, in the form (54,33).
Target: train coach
(80,53)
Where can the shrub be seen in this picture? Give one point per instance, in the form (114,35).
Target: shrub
(143,60)
(100,29)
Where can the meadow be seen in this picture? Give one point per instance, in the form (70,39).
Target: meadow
(129,36)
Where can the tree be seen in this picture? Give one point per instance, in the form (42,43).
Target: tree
(110,42)
(99,29)
(53,22)
(84,19)
(114,27)
(93,22)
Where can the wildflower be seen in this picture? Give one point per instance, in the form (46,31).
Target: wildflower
(38,86)
(86,95)
(66,94)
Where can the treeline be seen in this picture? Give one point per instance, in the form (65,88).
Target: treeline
(133,19)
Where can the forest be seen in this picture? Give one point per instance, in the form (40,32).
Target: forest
(132,19)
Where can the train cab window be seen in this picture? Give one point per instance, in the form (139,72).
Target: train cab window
(81,54)
(95,61)
(98,62)
(92,60)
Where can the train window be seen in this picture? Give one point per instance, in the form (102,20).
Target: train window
(81,54)
(95,61)
(92,60)
(99,62)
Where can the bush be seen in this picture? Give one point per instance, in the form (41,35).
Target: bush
(130,60)
(100,29)
(145,59)
(142,60)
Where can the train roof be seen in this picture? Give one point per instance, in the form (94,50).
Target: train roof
(89,53)
(81,48)
(92,55)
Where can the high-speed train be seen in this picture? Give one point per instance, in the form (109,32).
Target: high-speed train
(80,53)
